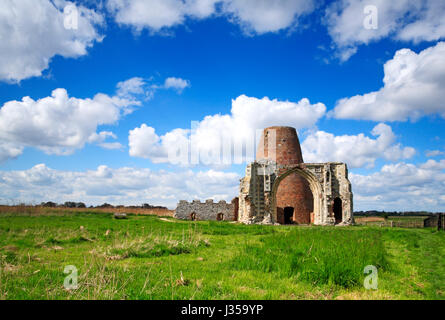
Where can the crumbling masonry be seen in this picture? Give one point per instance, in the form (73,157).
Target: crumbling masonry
(209,210)
(279,188)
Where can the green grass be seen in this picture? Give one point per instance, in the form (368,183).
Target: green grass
(147,257)
(316,255)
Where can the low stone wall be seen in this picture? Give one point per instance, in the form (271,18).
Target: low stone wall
(209,210)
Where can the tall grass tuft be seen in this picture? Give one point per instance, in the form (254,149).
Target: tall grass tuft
(154,245)
(315,255)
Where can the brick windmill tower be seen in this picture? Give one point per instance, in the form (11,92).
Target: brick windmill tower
(294,201)
(280,188)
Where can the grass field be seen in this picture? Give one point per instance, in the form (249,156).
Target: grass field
(151,257)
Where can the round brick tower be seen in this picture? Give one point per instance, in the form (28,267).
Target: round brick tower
(294,197)
(284,150)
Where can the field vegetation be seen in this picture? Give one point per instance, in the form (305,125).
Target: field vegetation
(156,257)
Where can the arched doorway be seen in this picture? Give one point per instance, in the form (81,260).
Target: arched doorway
(220,217)
(288,215)
(313,203)
(294,199)
(193,216)
(338,210)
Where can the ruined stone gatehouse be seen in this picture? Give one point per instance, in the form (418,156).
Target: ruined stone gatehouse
(280,188)
(209,210)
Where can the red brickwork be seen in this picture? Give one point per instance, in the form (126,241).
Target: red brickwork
(294,190)
(286,149)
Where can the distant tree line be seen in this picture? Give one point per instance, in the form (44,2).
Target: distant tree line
(376,213)
(70,204)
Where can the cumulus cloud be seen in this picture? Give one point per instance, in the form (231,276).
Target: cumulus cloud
(413,87)
(127,186)
(9,151)
(140,88)
(59,124)
(408,20)
(262,16)
(401,186)
(33,31)
(176,84)
(356,150)
(101,137)
(220,139)
(131,87)
(254,16)
(434,153)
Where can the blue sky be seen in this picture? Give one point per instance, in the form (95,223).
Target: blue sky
(236,63)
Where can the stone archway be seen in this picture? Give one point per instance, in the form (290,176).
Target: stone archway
(314,185)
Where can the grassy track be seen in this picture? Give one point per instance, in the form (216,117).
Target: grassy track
(147,257)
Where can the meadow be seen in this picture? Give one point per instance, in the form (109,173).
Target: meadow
(156,257)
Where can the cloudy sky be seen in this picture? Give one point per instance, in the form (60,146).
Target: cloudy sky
(105,101)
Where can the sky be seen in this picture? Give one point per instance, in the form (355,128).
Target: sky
(111,101)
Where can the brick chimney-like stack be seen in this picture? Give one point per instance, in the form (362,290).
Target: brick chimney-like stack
(294,197)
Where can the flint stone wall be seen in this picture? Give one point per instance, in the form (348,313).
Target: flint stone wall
(208,210)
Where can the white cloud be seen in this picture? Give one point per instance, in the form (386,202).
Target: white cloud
(356,150)
(131,87)
(156,15)
(262,16)
(254,16)
(429,26)
(59,124)
(413,87)
(408,20)
(401,186)
(116,186)
(101,137)
(434,153)
(32,32)
(176,84)
(216,132)
(9,151)
(434,165)
(111,145)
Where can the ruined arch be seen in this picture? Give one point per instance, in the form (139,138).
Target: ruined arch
(314,185)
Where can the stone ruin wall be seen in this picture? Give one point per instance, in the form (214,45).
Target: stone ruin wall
(209,210)
(258,191)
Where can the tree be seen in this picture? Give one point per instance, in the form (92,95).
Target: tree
(80,205)
(70,204)
(49,204)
